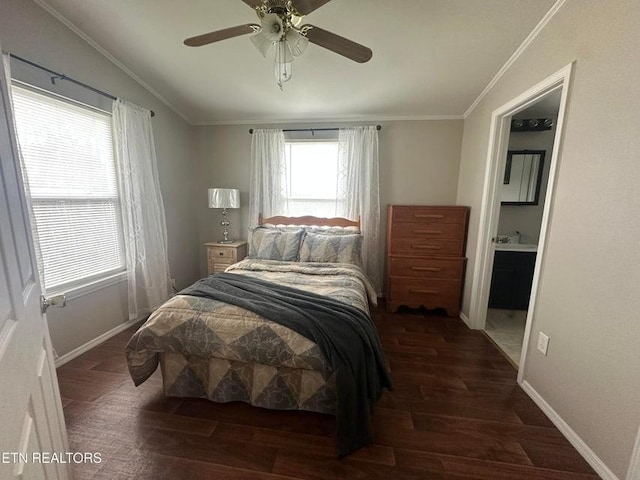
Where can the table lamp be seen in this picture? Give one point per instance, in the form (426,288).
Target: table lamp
(224,198)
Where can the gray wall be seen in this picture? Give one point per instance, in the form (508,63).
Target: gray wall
(418,165)
(588,300)
(527,219)
(28,31)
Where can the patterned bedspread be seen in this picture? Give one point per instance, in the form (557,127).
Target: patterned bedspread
(193,329)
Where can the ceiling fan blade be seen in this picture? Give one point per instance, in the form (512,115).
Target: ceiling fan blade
(253,3)
(218,35)
(305,7)
(336,43)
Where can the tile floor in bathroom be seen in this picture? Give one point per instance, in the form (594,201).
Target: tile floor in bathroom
(506,329)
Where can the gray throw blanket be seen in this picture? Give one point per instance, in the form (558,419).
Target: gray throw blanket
(345,335)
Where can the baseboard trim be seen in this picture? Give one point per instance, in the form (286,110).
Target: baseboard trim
(465,319)
(583,449)
(67,357)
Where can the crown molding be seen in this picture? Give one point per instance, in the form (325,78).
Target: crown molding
(367,118)
(523,46)
(71,26)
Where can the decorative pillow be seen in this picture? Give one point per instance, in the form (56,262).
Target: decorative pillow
(275,244)
(321,247)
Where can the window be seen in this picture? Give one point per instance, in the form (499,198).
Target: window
(313,179)
(68,154)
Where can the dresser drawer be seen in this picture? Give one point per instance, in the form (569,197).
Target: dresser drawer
(222,253)
(426,246)
(215,267)
(447,268)
(429,215)
(427,230)
(425,290)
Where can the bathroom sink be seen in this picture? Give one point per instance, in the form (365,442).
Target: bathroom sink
(517,247)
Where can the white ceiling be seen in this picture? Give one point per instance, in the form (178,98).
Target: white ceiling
(431,58)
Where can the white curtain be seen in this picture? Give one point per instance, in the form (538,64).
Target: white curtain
(6,60)
(143,219)
(358,162)
(269,177)
(357,184)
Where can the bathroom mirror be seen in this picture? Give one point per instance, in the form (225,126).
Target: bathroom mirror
(522,177)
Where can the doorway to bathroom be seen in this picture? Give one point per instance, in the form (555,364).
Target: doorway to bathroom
(497,153)
(525,178)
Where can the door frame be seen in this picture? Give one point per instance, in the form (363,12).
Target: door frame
(490,205)
(634,465)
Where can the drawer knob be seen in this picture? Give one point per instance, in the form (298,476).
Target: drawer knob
(426,269)
(425,247)
(221,253)
(419,290)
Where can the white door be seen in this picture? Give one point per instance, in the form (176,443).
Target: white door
(31,422)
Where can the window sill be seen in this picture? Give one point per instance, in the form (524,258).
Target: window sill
(91,287)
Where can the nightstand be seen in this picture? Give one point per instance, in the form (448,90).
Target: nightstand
(221,255)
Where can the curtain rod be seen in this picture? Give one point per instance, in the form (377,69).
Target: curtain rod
(378,127)
(60,76)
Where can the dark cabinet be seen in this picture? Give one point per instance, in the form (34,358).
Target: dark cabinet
(512,279)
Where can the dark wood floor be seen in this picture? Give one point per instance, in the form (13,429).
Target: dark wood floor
(456,413)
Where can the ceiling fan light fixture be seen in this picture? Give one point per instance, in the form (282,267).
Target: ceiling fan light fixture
(262,43)
(282,52)
(296,41)
(281,29)
(271,32)
(272,27)
(283,73)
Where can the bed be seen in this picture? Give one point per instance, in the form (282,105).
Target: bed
(208,348)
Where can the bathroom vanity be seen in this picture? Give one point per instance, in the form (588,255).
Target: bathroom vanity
(512,277)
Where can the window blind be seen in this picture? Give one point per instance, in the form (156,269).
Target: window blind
(69,159)
(314,179)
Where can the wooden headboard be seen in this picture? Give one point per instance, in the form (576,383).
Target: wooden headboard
(310,221)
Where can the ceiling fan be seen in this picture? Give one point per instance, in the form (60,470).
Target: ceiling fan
(281,31)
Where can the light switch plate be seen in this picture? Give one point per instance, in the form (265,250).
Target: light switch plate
(543,343)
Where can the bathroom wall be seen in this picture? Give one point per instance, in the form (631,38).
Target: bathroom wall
(526,219)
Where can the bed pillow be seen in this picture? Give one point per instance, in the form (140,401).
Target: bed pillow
(315,229)
(321,247)
(333,230)
(275,244)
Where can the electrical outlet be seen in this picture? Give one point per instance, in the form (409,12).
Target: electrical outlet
(543,343)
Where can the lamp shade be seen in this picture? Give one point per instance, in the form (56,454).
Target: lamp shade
(224,198)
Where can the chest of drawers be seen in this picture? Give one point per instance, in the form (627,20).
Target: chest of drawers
(425,256)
